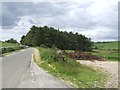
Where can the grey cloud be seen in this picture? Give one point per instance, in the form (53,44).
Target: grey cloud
(58,15)
(13,10)
(110,19)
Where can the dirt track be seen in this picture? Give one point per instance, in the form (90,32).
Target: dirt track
(111,68)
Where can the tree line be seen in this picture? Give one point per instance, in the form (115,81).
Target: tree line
(12,40)
(49,36)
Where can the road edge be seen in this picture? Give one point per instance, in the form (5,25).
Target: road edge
(61,80)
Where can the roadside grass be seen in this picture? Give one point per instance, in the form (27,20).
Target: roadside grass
(69,70)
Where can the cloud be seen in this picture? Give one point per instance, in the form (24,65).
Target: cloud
(96,19)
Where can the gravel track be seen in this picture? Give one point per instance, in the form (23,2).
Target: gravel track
(110,67)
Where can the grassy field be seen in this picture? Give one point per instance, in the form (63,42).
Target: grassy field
(107,50)
(107,45)
(69,70)
(4,44)
(9,47)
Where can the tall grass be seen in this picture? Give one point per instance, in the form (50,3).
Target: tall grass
(70,70)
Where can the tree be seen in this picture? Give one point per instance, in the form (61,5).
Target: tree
(49,36)
(11,41)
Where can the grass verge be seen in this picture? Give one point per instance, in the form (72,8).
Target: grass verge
(69,70)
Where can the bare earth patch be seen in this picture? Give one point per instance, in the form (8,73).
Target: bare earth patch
(111,68)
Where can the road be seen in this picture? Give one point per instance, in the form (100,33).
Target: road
(13,66)
(19,71)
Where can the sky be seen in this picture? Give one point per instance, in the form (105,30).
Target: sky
(97,19)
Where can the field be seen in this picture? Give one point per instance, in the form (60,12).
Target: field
(69,70)
(4,44)
(107,45)
(9,47)
(107,50)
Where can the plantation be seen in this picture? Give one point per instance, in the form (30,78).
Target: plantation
(49,37)
(61,66)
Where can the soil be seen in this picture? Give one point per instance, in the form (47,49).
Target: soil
(84,56)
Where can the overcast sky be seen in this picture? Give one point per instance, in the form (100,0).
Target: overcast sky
(97,19)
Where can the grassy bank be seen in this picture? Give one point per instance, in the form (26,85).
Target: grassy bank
(68,69)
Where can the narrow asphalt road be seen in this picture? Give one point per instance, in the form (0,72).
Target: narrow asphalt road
(19,71)
(13,66)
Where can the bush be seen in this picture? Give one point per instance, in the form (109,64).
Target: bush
(49,55)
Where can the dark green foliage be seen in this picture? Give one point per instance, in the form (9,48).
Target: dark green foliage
(11,41)
(48,36)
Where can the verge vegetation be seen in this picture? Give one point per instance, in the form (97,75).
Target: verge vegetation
(68,69)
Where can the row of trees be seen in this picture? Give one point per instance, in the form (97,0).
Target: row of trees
(49,37)
(12,40)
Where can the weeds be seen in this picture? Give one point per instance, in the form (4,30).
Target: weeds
(70,70)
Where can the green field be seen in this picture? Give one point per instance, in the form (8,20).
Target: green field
(69,70)
(107,50)
(9,47)
(4,44)
(107,45)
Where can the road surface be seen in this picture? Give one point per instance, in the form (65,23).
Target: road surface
(19,71)
(13,66)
